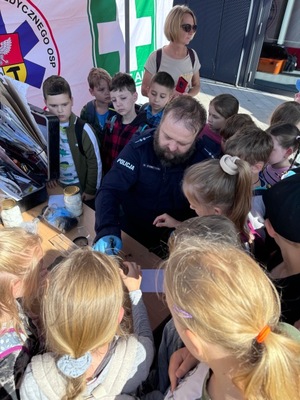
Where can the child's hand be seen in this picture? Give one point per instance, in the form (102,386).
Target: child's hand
(51,184)
(87,197)
(165,220)
(132,280)
(181,362)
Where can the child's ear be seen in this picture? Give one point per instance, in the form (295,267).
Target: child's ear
(257,167)
(17,288)
(91,91)
(194,343)
(135,96)
(270,228)
(121,315)
(289,152)
(217,211)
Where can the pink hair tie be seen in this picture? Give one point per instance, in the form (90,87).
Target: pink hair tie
(228,165)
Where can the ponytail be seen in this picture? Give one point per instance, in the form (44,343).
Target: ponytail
(224,183)
(276,372)
(242,197)
(241,202)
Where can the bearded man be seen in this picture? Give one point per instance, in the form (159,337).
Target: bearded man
(145,179)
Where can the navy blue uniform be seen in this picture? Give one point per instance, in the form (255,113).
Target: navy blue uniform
(144,189)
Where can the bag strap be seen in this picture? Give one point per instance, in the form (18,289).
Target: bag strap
(79,125)
(158,58)
(192,56)
(90,112)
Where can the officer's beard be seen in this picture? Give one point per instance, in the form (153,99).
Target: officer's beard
(168,158)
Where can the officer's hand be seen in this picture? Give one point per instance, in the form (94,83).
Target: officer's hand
(109,244)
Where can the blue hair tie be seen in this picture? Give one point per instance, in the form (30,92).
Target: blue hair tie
(74,367)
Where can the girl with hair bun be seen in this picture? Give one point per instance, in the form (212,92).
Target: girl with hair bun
(227,311)
(221,187)
(91,355)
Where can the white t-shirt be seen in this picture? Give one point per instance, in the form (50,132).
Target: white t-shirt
(175,67)
(68,173)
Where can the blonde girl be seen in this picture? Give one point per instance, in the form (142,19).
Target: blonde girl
(217,187)
(20,255)
(286,139)
(227,311)
(90,354)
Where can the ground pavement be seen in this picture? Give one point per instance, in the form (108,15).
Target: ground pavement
(259,105)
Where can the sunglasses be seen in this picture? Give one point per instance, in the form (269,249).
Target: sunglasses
(188,27)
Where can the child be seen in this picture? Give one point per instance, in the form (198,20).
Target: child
(253,145)
(289,111)
(90,354)
(217,187)
(20,254)
(282,223)
(227,312)
(220,108)
(80,161)
(232,125)
(160,93)
(286,139)
(97,112)
(122,126)
(216,228)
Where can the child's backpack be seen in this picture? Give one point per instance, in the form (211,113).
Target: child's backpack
(159,55)
(79,125)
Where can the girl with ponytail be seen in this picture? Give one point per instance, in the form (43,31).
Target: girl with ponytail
(221,187)
(227,311)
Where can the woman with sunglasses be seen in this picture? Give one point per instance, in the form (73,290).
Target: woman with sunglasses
(176,58)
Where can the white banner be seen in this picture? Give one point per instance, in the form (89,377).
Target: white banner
(42,38)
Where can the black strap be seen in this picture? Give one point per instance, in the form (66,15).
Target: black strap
(159,55)
(90,112)
(158,58)
(192,56)
(78,131)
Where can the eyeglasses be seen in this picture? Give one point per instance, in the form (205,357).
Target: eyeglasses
(188,27)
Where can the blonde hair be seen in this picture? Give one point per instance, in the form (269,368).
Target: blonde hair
(81,307)
(20,254)
(206,182)
(217,228)
(95,75)
(174,20)
(220,294)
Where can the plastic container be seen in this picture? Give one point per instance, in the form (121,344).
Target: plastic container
(73,201)
(11,214)
(270,65)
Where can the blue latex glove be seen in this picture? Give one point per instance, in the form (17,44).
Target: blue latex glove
(109,244)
